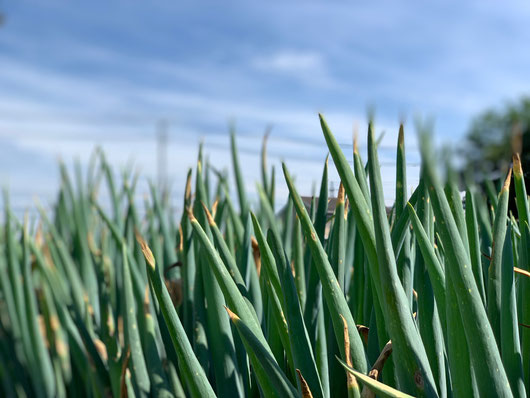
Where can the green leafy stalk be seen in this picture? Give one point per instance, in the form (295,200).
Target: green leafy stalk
(509,333)
(333,295)
(196,379)
(482,347)
(417,375)
(495,268)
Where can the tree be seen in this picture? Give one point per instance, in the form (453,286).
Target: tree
(494,136)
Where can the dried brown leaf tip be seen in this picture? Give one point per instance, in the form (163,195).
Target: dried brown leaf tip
(350,379)
(378,367)
(208,215)
(401,136)
(306,392)
(256,254)
(346,341)
(214,207)
(380,362)
(363,331)
(506,186)
(517,168)
(340,196)
(190,214)
(148,254)
(181,239)
(187,193)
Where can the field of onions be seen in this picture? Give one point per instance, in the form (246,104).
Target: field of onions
(233,299)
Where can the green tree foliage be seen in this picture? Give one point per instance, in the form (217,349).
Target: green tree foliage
(497,133)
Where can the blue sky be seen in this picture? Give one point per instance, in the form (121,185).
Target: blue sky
(75,74)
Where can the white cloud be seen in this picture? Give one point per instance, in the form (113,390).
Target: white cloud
(396,60)
(290,61)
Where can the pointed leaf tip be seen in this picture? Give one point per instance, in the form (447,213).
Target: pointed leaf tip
(401,136)
(306,392)
(517,168)
(190,214)
(506,186)
(187,192)
(346,341)
(214,206)
(340,195)
(208,215)
(233,316)
(148,254)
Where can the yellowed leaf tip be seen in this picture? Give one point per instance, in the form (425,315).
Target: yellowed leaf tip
(346,341)
(233,317)
(190,214)
(306,392)
(101,349)
(350,379)
(92,244)
(517,168)
(506,186)
(146,300)
(39,238)
(256,254)
(148,254)
(187,194)
(208,215)
(111,327)
(181,239)
(340,196)
(214,207)
(521,271)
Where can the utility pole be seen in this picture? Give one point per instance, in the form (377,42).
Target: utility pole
(331,189)
(162,143)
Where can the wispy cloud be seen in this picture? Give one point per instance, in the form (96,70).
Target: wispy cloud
(77,74)
(290,61)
